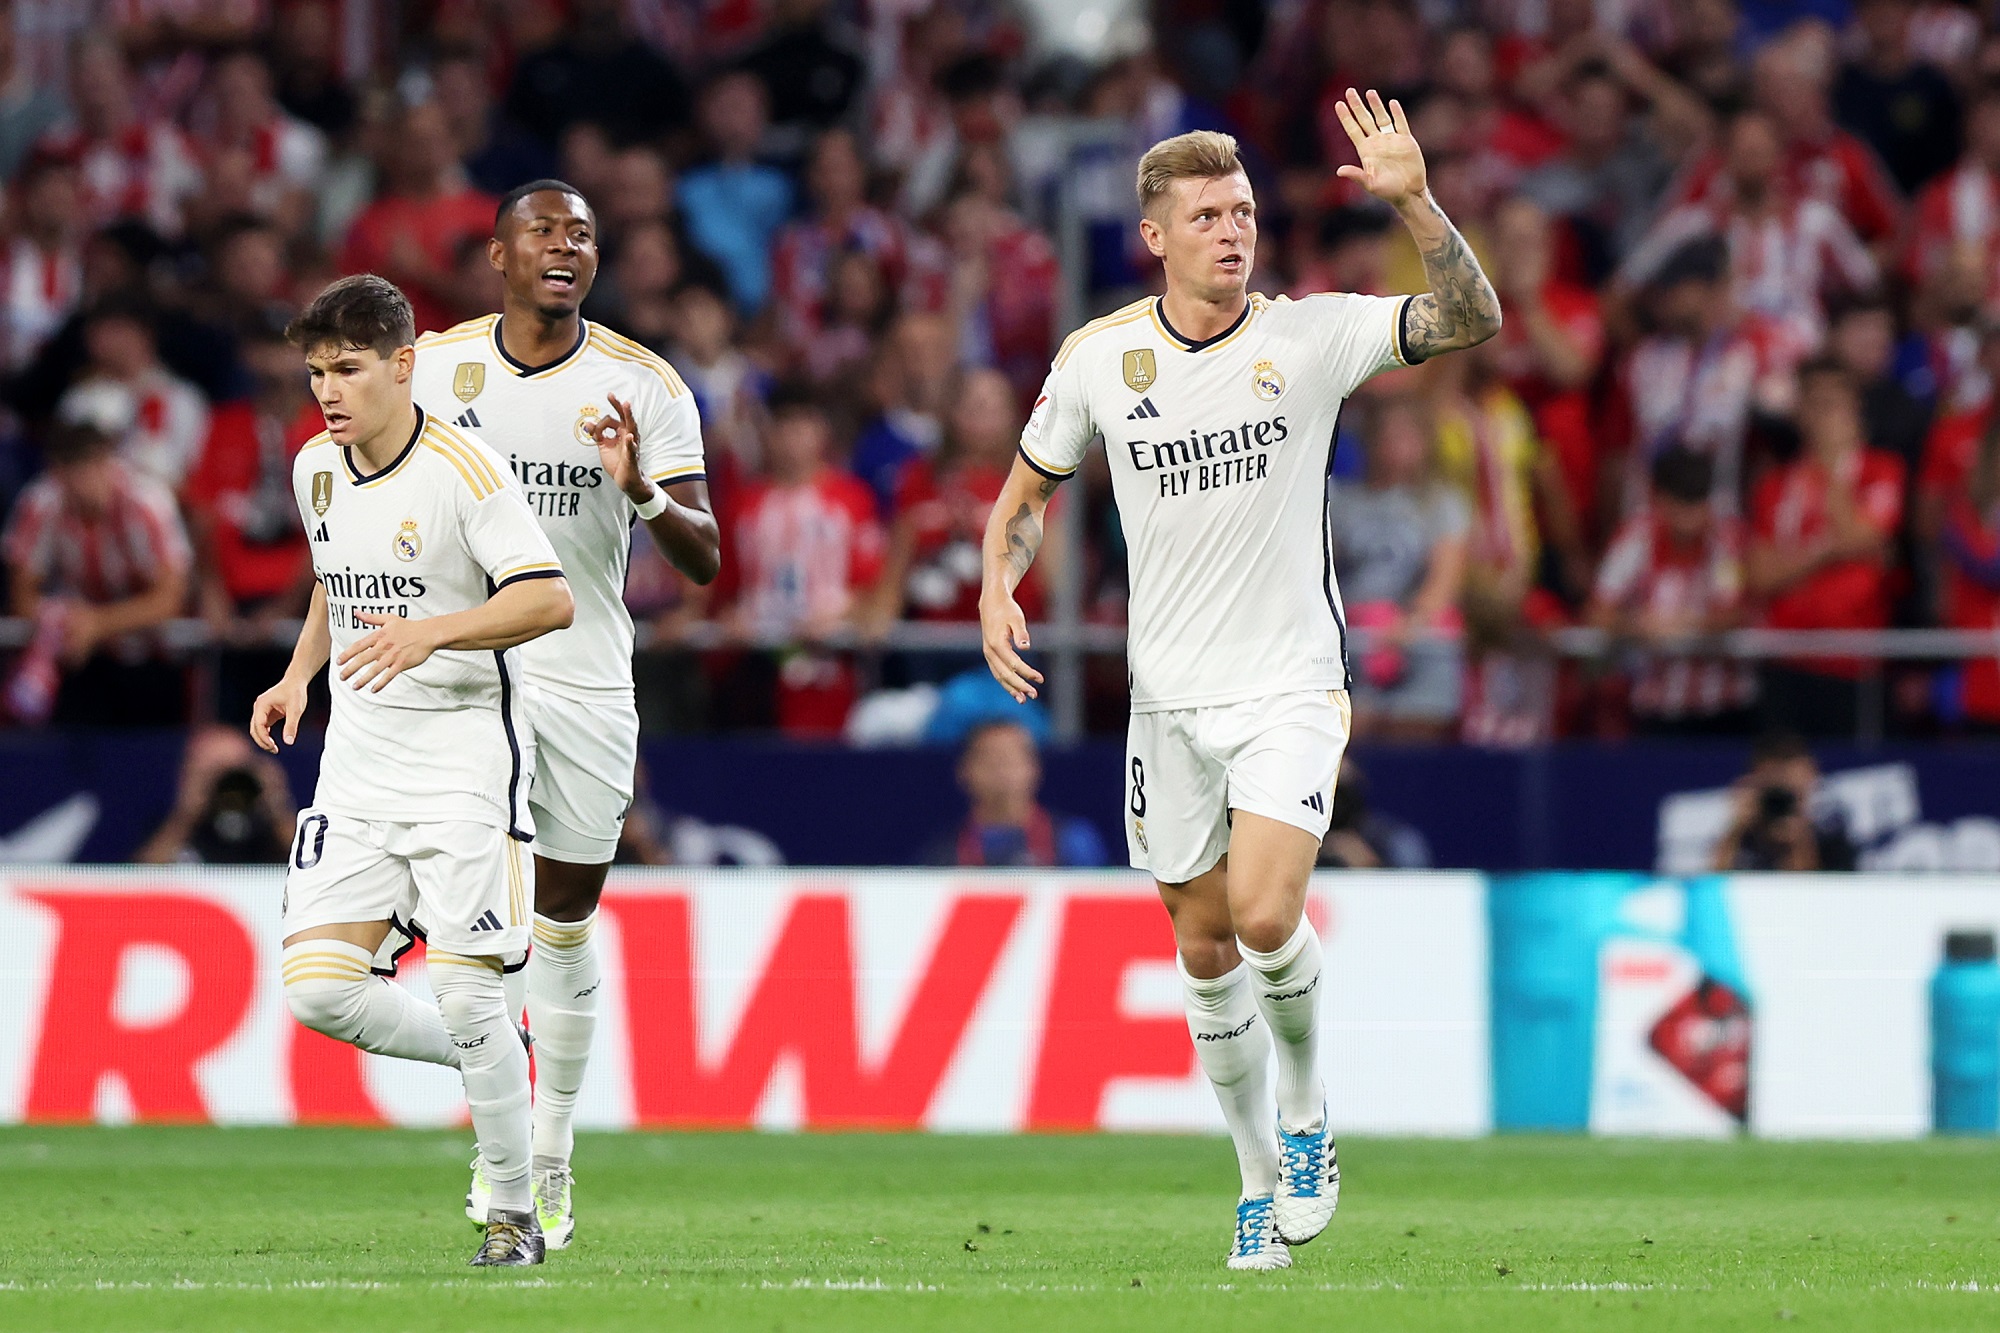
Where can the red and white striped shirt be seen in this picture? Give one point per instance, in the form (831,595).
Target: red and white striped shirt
(1644,571)
(804,553)
(38,290)
(102,558)
(1961,207)
(144,171)
(1781,262)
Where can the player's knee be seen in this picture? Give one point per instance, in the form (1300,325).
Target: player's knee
(470,993)
(1209,956)
(1265,930)
(329,1006)
(326,986)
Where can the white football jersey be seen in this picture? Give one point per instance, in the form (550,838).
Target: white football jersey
(1219,454)
(539,420)
(436,531)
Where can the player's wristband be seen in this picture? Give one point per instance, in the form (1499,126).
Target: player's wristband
(654,507)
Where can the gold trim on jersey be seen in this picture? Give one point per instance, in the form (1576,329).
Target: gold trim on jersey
(516,572)
(1122,316)
(1396,332)
(516,894)
(620,348)
(476,471)
(324,437)
(691,472)
(437,957)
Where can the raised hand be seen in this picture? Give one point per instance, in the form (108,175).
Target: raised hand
(617,440)
(1392,166)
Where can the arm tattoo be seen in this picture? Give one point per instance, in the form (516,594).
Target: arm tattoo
(1024,538)
(1460,309)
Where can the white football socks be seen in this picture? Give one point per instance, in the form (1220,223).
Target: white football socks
(1287,986)
(495,1066)
(1235,1053)
(563,982)
(330,988)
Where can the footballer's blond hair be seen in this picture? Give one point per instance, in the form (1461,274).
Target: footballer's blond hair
(1196,155)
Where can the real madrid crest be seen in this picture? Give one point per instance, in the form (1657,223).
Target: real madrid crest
(586,424)
(322,493)
(468,380)
(1140,369)
(408,544)
(1266,381)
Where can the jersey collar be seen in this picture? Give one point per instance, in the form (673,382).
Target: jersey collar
(354,473)
(1187,344)
(524,370)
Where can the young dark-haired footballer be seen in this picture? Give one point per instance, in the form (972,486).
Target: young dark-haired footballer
(1217,408)
(430,573)
(600,433)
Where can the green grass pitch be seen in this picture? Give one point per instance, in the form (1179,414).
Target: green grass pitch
(326,1229)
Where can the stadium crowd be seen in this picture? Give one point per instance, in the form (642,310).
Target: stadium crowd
(1748,252)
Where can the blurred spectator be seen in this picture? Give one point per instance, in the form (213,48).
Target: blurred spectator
(1488,452)
(1696,380)
(1675,571)
(933,569)
(1971,547)
(305,65)
(981,109)
(1001,774)
(29,107)
(841,222)
(735,204)
(1959,211)
(279,157)
(1863,340)
(97,558)
(1820,555)
(1777,821)
(809,67)
(1400,548)
(728,385)
(1901,105)
(1793,81)
(41,269)
(805,549)
(411,233)
(1003,289)
(1787,250)
(1360,837)
(597,71)
(134,165)
(1552,345)
(1346,252)
(496,155)
(234,806)
(169,415)
(909,383)
(1609,176)
(1951,455)
(252,562)
(247,263)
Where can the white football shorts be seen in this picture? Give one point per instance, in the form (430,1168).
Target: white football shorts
(1186,769)
(464,887)
(585,754)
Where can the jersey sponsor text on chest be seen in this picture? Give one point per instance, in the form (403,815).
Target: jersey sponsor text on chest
(1209,460)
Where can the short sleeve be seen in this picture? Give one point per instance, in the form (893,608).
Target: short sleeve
(1059,428)
(670,448)
(504,539)
(1359,336)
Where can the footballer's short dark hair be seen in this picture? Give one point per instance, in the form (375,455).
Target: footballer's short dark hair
(362,311)
(520,192)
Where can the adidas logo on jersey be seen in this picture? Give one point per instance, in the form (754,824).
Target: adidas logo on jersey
(320,535)
(468,418)
(488,921)
(1143,411)
(1315,803)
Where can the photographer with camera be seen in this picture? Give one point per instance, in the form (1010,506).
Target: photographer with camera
(234,806)
(1775,825)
